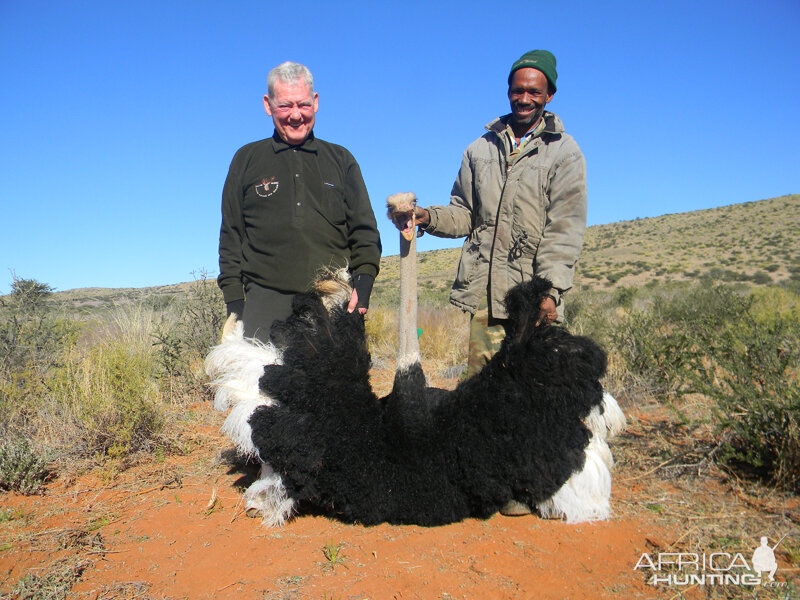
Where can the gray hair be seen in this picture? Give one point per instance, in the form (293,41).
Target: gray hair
(289,72)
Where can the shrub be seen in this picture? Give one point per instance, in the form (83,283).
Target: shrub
(748,366)
(183,340)
(99,397)
(652,349)
(625,295)
(22,469)
(761,278)
(32,336)
(34,344)
(741,351)
(114,400)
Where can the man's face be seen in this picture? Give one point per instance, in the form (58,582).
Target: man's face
(528,96)
(293,109)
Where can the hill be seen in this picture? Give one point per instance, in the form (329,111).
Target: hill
(754,242)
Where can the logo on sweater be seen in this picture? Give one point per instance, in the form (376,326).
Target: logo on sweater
(267,187)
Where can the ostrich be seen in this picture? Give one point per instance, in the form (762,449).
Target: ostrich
(531,426)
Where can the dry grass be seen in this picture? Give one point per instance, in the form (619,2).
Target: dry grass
(108,388)
(755,242)
(443,335)
(665,465)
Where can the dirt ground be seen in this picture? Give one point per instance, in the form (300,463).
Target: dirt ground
(174,527)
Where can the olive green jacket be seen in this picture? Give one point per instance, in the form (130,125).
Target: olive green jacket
(523,215)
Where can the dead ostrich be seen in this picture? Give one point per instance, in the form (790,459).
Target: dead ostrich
(531,426)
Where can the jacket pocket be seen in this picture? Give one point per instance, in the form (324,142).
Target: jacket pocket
(470,262)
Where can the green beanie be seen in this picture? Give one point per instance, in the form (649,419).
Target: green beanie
(541,60)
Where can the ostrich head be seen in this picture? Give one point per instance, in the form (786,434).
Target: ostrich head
(400,209)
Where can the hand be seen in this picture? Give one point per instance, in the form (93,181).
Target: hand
(362,289)
(547,311)
(404,221)
(362,310)
(405,214)
(237,306)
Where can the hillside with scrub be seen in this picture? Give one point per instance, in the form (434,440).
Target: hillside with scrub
(115,482)
(754,243)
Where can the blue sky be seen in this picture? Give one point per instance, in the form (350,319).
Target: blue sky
(118,120)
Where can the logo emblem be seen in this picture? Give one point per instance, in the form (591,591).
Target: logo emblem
(267,187)
(714,568)
(764,558)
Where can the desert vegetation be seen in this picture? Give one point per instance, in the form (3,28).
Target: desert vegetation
(83,386)
(699,313)
(86,376)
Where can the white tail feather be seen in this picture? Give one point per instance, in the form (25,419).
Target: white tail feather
(585,495)
(268,496)
(612,414)
(236,365)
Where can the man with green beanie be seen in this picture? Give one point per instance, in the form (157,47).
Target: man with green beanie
(520,198)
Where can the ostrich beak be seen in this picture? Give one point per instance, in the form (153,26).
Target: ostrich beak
(402,211)
(410,221)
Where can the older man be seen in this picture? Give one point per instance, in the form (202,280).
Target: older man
(291,205)
(520,197)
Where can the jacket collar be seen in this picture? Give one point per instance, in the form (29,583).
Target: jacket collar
(278,145)
(552,124)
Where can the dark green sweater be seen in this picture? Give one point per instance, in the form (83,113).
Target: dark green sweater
(287,211)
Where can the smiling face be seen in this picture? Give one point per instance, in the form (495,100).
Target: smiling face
(528,95)
(292,107)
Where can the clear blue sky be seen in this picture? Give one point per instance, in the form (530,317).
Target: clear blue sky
(118,120)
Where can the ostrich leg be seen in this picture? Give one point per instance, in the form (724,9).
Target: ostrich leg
(401,209)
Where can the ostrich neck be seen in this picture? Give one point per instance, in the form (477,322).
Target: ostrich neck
(408,343)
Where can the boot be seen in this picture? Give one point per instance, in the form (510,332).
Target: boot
(515,509)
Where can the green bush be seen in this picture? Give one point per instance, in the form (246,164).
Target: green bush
(652,348)
(183,342)
(99,397)
(746,361)
(22,469)
(761,278)
(739,350)
(32,336)
(625,295)
(115,400)
(34,344)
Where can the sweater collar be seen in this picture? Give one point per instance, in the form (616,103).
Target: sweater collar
(309,145)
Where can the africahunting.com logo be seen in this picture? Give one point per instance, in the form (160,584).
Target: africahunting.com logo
(712,568)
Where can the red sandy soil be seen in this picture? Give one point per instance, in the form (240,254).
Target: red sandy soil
(176,528)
